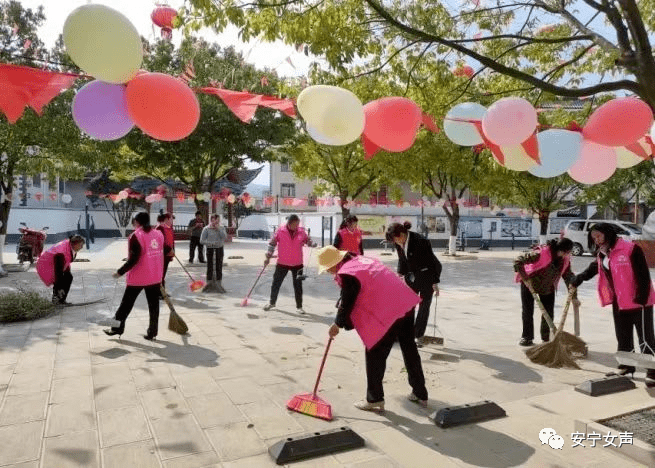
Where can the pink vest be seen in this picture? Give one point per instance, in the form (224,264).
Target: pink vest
(545,257)
(149,269)
(383,298)
(623,278)
(350,240)
(289,250)
(45,265)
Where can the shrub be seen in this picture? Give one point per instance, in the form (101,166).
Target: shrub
(16,306)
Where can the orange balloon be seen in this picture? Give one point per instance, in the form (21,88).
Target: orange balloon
(162,106)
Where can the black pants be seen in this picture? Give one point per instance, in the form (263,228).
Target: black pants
(193,243)
(376,360)
(625,320)
(527,303)
(62,286)
(279,275)
(127,303)
(423,313)
(215,263)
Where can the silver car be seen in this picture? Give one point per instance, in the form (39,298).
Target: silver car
(578,231)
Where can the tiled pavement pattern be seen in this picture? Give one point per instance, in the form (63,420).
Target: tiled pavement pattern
(72,397)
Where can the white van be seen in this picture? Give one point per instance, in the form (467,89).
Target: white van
(578,231)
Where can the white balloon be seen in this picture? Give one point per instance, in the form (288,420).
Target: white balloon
(335,113)
(626,158)
(516,159)
(320,138)
(464,133)
(66,198)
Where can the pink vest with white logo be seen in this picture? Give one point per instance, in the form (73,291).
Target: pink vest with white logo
(149,269)
(545,257)
(45,265)
(383,298)
(623,278)
(350,240)
(289,250)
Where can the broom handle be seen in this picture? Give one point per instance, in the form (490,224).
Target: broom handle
(184,268)
(566,310)
(544,313)
(258,276)
(320,370)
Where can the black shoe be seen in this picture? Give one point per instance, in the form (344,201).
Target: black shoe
(150,337)
(525,342)
(201,261)
(114,331)
(546,339)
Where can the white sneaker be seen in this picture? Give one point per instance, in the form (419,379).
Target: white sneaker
(268,306)
(368,406)
(300,311)
(413,398)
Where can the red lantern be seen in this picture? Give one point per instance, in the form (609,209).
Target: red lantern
(464,71)
(38,196)
(163,17)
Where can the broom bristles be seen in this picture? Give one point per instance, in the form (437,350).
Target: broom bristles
(311,405)
(244,302)
(552,354)
(177,324)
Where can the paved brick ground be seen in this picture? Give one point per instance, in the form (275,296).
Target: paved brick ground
(72,397)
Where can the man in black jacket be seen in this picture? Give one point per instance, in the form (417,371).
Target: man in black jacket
(420,267)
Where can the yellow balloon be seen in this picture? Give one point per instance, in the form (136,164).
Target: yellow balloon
(626,158)
(516,159)
(335,115)
(103,43)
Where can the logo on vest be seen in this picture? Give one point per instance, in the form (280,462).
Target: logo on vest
(154,244)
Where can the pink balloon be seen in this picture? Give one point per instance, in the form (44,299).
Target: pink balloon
(619,122)
(596,163)
(509,121)
(392,123)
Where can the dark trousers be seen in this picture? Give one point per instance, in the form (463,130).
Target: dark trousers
(193,243)
(279,275)
(423,313)
(625,320)
(376,360)
(62,286)
(215,263)
(127,303)
(527,303)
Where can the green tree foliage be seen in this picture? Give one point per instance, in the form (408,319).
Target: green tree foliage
(543,45)
(221,142)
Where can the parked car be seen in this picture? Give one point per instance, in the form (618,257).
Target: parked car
(578,231)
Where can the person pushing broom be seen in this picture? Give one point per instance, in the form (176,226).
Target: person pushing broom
(380,307)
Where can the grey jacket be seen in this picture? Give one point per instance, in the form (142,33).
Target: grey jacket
(213,238)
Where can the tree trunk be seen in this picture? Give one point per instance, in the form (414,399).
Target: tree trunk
(345,210)
(5,208)
(453,219)
(122,230)
(543,226)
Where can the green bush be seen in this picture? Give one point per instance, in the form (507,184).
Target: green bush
(22,305)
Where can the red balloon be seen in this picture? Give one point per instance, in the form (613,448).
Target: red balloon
(392,123)
(162,106)
(619,122)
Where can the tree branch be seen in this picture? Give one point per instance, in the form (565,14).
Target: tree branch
(548,87)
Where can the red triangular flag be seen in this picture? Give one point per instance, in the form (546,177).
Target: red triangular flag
(531,147)
(494,148)
(370,148)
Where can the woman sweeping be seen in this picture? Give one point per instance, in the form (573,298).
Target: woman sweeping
(420,267)
(623,281)
(54,267)
(144,270)
(379,305)
(349,236)
(543,267)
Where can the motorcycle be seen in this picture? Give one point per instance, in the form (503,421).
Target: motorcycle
(30,244)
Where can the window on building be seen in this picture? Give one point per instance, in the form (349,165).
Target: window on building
(285,167)
(62,186)
(311,199)
(36,181)
(576,226)
(287,190)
